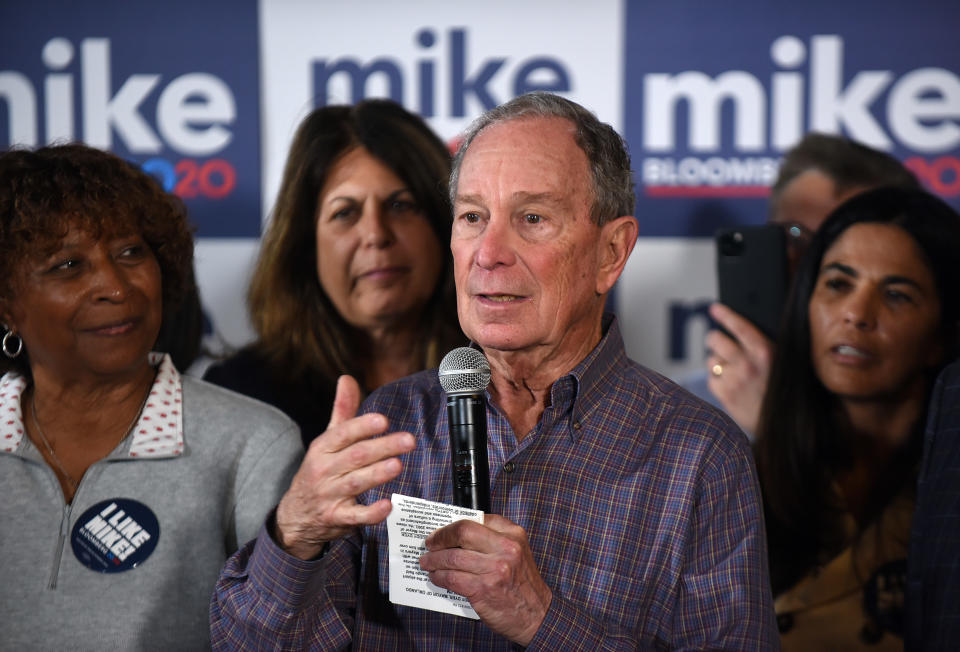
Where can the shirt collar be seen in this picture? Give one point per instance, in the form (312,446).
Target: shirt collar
(158,432)
(587,384)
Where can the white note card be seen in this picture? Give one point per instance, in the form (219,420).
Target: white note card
(409,524)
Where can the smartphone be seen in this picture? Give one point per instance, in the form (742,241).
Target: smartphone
(752,273)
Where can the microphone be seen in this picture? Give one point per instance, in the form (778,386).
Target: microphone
(464,375)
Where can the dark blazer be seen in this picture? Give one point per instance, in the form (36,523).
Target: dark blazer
(933,573)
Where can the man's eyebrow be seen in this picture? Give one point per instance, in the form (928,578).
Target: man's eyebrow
(468,199)
(520,195)
(550,197)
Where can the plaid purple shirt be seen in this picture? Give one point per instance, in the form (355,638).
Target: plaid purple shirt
(641,507)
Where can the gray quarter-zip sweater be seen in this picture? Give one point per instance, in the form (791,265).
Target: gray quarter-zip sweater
(209,496)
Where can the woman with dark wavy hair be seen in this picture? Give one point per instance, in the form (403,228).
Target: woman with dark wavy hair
(873,315)
(125,486)
(354,274)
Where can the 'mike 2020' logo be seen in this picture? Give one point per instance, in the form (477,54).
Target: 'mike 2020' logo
(917,112)
(193,117)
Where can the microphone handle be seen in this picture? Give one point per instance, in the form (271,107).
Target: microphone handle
(467,418)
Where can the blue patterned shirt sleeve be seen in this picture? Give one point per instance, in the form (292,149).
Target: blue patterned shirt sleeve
(267,599)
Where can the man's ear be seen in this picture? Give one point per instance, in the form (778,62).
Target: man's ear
(617,238)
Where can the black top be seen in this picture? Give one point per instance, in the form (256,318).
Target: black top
(307,403)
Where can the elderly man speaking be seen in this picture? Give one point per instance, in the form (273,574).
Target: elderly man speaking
(624,512)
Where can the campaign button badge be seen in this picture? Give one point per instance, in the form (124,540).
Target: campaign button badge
(115,535)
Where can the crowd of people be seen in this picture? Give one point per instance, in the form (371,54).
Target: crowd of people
(816,510)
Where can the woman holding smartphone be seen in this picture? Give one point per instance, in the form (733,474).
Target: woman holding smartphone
(816,175)
(873,315)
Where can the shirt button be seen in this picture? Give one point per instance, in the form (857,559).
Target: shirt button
(509,467)
(577,425)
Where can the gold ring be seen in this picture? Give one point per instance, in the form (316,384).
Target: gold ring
(717,370)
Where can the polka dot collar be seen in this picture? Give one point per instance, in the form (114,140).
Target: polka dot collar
(158,432)
(11,416)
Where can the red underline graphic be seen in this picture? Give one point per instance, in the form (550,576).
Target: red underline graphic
(706,191)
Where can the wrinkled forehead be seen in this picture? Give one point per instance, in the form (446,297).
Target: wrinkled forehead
(526,154)
(537,134)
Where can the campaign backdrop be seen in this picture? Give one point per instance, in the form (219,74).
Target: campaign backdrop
(206,96)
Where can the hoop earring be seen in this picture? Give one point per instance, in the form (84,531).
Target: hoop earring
(5,345)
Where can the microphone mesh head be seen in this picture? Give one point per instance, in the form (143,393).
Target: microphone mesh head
(464,371)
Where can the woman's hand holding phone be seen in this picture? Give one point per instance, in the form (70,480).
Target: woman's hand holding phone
(738,369)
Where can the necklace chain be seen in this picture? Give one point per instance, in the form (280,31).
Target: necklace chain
(56,460)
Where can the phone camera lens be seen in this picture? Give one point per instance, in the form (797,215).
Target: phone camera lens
(731,244)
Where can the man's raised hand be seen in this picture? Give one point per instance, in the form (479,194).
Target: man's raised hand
(342,463)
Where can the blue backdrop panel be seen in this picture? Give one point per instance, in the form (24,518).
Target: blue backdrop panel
(861,70)
(172,86)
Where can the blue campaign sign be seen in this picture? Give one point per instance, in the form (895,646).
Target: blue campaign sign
(716,92)
(171,86)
